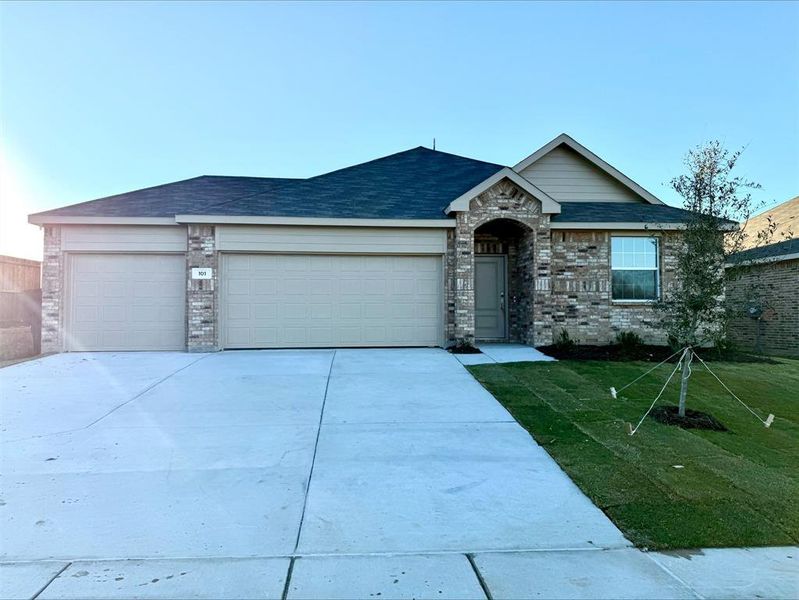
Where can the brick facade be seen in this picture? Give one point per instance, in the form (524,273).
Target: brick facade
(53,277)
(773,286)
(581,289)
(202,295)
(557,280)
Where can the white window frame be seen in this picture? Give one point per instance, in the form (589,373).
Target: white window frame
(656,269)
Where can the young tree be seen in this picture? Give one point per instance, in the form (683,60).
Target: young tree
(694,310)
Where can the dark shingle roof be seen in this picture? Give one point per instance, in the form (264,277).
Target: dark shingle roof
(415,184)
(170,199)
(619,212)
(765,252)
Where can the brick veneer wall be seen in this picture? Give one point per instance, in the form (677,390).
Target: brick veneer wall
(503,201)
(581,289)
(777,286)
(202,295)
(53,274)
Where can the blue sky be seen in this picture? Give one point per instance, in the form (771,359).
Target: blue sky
(100,98)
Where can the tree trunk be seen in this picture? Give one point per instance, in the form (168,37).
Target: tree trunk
(686,361)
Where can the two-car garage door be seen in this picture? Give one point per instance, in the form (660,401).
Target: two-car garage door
(329,300)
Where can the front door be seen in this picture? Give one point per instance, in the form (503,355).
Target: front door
(489,297)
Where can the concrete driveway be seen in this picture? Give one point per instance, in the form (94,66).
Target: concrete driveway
(281,473)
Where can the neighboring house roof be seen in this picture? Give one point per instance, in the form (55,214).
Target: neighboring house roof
(779,251)
(786,217)
(566,140)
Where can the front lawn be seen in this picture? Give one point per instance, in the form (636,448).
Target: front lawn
(667,487)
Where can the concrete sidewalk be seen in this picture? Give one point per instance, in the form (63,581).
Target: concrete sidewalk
(622,573)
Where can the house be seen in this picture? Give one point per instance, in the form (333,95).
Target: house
(420,248)
(763,286)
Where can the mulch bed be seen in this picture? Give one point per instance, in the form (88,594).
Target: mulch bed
(607,352)
(464,349)
(693,419)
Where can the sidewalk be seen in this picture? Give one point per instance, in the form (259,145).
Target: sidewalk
(618,573)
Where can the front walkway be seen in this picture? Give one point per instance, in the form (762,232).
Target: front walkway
(370,473)
(503,353)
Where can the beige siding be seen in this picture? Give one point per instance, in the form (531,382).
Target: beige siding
(342,240)
(568,177)
(123,238)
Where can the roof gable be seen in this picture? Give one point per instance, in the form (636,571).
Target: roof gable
(565,150)
(461,203)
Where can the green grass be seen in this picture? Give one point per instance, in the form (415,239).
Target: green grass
(736,488)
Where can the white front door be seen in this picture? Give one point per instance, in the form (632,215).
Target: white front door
(489,297)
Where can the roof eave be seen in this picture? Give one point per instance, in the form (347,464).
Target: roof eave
(763,260)
(55,219)
(637,225)
(315,221)
(616,225)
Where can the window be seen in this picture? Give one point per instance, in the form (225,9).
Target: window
(634,267)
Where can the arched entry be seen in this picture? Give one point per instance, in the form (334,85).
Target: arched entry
(504,266)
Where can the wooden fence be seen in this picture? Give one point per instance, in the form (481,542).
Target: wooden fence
(19,274)
(21,296)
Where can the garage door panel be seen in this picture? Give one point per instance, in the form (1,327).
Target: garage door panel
(238,311)
(330,300)
(126,302)
(111,314)
(265,336)
(320,263)
(86,289)
(263,312)
(321,312)
(262,287)
(239,287)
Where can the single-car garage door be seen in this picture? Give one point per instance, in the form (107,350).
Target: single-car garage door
(126,302)
(326,300)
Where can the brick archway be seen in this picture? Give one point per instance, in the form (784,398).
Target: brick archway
(504,202)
